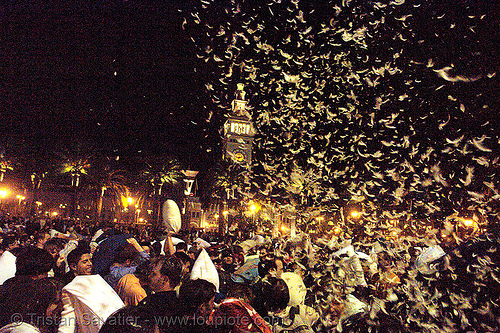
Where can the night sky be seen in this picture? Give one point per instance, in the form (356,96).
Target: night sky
(343,90)
(114,75)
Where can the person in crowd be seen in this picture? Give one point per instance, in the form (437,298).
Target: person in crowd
(193,252)
(146,246)
(181,247)
(187,263)
(33,263)
(80,263)
(128,256)
(9,247)
(196,304)
(274,304)
(131,319)
(251,270)
(54,246)
(164,276)
(88,300)
(31,306)
(132,287)
(235,314)
(41,237)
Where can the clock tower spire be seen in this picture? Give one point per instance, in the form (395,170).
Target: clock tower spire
(239,130)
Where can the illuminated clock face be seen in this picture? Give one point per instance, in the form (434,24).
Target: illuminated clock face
(240,128)
(238,156)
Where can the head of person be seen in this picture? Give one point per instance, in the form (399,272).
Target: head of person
(54,246)
(165,274)
(267,266)
(125,255)
(197,297)
(275,293)
(181,247)
(31,300)
(146,246)
(34,262)
(193,252)
(186,262)
(143,271)
(130,319)
(80,261)
(41,237)
(385,260)
(9,242)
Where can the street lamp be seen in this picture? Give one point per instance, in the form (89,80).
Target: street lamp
(20,198)
(355,214)
(38,204)
(254,207)
(137,212)
(4,193)
(225,213)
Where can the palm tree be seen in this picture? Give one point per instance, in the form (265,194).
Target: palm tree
(5,164)
(104,178)
(33,163)
(75,162)
(158,172)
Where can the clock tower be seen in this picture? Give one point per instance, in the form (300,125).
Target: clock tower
(239,130)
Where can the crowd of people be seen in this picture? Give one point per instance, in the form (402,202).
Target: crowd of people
(58,276)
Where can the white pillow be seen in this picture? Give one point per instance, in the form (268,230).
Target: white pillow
(171,216)
(296,288)
(204,269)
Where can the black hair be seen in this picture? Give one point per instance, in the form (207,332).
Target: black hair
(125,252)
(54,243)
(194,293)
(182,246)
(8,240)
(265,266)
(131,319)
(29,299)
(276,294)
(183,257)
(156,246)
(33,261)
(170,267)
(143,270)
(76,254)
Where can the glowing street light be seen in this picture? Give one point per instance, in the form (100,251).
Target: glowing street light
(468,223)
(127,201)
(20,198)
(355,214)
(4,193)
(254,208)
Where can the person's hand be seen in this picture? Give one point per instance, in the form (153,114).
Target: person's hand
(60,261)
(136,245)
